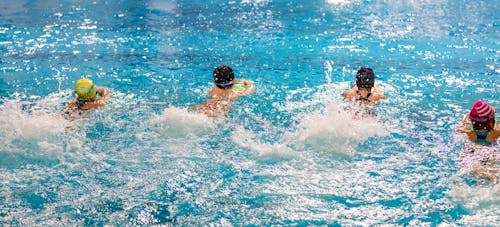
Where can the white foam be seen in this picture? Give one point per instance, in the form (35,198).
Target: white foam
(266,152)
(254,2)
(34,121)
(179,122)
(481,200)
(47,146)
(478,196)
(337,1)
(317,96)
(164,6)
(335,130)
(325,123)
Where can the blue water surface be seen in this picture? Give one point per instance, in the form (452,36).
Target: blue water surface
(288,154)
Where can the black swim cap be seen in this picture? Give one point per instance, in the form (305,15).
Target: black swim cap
(223,76)
(365,78)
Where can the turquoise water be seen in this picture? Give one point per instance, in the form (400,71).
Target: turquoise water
(289,154)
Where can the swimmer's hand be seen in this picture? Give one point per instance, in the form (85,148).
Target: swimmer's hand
(105,96)
(250,88)
(462,125)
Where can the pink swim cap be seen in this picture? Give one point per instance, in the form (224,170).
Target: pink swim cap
(481,111)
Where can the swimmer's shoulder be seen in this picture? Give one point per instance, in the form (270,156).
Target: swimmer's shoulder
(378,93)
(71,103)
(377,96)
(350,94)
(494,135)
(213,92)
(220,94)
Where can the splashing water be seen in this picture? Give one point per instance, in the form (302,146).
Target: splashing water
(179,122)
(31,123)
(336,128)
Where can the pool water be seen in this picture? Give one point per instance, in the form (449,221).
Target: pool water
(289,154)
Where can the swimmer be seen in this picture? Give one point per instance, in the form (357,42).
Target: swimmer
(88,97)
(481,160)
(365,89)
(481,129)
(226,90)
(480,124)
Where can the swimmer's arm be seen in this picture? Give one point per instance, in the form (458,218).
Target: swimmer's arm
(376,89)
(249,85)
(462,125)
(70,105)
(211,93)
(105,95)
(349,94)
(345,94)
(92,105)
(462,128)
(377,96)
(494,136)
(378,92)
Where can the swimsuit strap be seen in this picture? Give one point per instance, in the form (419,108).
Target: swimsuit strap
(363,98)
(224,85)
(481,137)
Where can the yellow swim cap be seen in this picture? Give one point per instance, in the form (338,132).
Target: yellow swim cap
(84,89)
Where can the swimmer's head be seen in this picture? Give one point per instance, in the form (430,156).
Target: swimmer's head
(223,76)
(482,116)
(365,78)
(85,89)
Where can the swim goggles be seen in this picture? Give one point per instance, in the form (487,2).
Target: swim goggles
(224,85)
